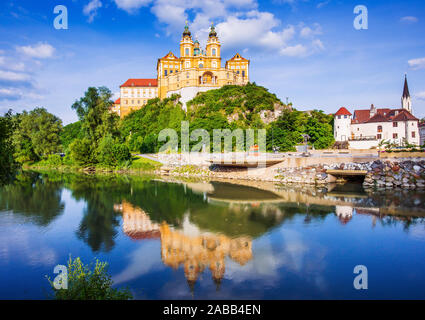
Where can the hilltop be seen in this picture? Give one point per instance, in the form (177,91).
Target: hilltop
(246,105)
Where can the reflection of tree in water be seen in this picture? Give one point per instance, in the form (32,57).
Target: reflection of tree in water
(98,225)
(33,196)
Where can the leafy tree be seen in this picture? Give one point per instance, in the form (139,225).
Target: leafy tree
(94,113)
(97,122)
(8,165)
(36,135)
(71,132)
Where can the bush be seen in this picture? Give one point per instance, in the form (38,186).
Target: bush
(121,153)
(112,153)
(87,284)
(53,160)
(81,152)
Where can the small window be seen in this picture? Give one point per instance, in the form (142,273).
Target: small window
(214,52)
(165,72)
(395,135)
(187,75)
(187,51)
(345,116)
(379,136)
(379,128)
(395,124)
(243,73)
(413,134)
(171,71)
(201,65)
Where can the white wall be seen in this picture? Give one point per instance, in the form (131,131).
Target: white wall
(342,128)
(403,130)
(363,144)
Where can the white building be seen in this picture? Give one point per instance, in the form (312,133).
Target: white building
(422,133)
(366,128)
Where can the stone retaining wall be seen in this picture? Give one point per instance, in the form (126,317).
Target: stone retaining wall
(396,174)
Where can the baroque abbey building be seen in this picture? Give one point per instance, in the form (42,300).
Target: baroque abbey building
(195,70)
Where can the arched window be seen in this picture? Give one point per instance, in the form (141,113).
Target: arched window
(214,52)
(201,65)
(187,75)
(379,128)
(187,51)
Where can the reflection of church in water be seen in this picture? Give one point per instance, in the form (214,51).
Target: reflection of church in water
(190,247)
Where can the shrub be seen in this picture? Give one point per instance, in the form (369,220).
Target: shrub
(53,160)
(121,153)
(87,284)
(81,151)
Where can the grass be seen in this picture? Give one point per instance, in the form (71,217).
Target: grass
(143,164)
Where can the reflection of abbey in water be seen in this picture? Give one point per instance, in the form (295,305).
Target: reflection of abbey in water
(190,247)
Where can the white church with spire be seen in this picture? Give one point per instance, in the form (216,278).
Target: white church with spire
(365,128)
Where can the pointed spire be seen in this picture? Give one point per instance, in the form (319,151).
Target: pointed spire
(406,93)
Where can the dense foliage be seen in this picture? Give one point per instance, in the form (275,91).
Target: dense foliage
(8,165)
(140,128)
(69,133)
(36,135)
(86,282)
(229,107)
(98,140)
(242,103)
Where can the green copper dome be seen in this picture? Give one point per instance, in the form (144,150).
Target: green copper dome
(213,33)
(186,31)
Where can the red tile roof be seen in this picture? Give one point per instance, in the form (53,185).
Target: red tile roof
(383,115)
(343,112)
(118,101)
(140,83)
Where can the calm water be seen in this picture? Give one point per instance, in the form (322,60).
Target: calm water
(216,240)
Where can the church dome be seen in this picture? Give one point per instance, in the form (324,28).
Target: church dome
(186,31)
(213,33)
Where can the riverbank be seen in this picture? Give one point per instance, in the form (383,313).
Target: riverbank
(402,173)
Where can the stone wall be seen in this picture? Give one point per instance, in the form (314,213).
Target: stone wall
(396,174)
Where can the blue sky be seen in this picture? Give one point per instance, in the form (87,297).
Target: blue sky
(306,50)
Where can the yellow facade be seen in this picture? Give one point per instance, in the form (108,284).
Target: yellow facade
(197,68)
(194,71)
(135,93)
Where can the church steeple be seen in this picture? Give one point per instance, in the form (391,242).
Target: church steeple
(406,102)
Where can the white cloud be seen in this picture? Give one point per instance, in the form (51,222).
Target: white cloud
(417,63)
(322,4)
(420,95)
(131,6)
(41,50)
(298,50)
(307,32)
(13,76)
(409,19)
(90,9)
(2,60)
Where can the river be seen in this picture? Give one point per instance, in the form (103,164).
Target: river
(185,239)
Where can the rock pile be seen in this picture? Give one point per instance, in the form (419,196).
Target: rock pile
(391,174)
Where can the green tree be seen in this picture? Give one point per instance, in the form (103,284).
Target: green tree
(36,135)
(8,165)
(71,132)
(97,122)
